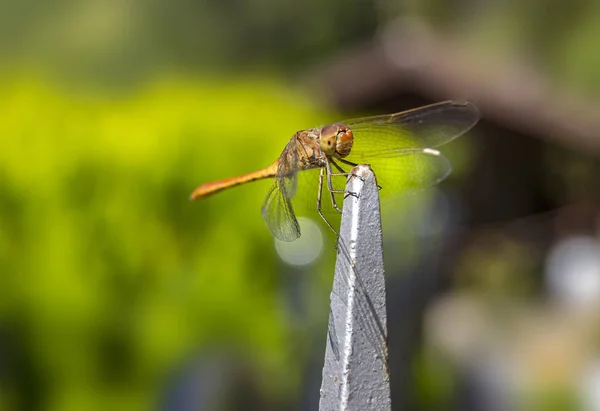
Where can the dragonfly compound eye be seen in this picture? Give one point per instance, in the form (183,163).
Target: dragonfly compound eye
(329,139)
(344,141)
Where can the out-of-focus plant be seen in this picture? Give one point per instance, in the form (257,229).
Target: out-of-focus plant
(108,274)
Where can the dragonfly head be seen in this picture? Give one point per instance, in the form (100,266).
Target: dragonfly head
(336,140)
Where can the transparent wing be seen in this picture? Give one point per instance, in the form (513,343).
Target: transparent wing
(408,132)
(287,172)
(397,177)
(277,209)
(403,175)
(279,215)
(410,174)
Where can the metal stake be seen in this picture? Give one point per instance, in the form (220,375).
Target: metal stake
(356,374)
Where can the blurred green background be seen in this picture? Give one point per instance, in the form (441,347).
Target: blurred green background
(118,293)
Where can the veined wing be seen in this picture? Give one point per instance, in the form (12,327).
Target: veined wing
(277,210)
(279,215)
(287,169)
(410,131)
(400,147)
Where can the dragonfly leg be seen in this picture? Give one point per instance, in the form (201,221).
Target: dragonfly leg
(350,163)
(343,173)
(332,191)
(330,174)
(319,195)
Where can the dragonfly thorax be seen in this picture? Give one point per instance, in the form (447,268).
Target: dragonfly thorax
(336,140)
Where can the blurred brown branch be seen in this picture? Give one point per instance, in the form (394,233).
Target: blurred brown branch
(409,58)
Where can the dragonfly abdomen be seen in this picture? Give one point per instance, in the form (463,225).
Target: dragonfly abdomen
(214,187)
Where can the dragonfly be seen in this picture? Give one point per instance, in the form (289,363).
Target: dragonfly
(400,147)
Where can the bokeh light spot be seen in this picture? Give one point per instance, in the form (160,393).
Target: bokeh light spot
(306,249)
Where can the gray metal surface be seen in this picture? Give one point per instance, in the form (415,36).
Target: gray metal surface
(356,374)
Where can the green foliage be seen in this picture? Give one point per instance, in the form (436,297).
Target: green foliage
(435,380)
(109,275)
